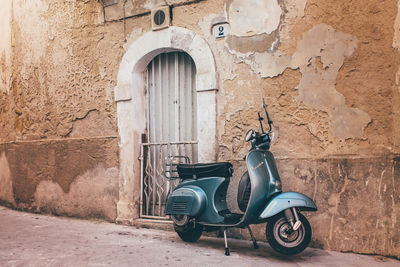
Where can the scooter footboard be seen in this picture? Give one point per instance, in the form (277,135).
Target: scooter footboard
(287,200)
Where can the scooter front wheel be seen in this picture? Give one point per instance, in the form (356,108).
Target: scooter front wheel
(190,232)
(284,239)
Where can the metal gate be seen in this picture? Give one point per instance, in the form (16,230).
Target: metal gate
(171,126)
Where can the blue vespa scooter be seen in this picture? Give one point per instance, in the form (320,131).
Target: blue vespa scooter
(198,202)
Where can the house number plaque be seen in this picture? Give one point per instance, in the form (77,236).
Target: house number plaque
(220,30)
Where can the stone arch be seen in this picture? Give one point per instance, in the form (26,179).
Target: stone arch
(131,105)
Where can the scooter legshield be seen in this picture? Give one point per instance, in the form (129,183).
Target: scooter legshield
(287,200)
(188,200)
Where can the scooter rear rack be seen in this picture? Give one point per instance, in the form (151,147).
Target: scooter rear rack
(171,166)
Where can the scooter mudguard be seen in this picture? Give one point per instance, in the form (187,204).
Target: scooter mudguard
(287,200)
(189,200)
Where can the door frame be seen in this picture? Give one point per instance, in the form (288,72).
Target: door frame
(131,106)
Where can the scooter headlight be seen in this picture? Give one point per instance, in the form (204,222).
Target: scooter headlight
(278,184)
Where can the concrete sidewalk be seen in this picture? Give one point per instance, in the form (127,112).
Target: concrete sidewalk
(38,240)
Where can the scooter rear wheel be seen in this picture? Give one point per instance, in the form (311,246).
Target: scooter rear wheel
(283,239)
(180,220)
(191,232)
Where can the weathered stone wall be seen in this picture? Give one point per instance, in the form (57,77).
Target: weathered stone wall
(76,177)
(357,201)
(321,73)
(328,71)
(59,150)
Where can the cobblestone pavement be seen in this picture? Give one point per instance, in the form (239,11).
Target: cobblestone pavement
(38,240)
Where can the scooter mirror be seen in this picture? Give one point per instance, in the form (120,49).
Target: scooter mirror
(249,135)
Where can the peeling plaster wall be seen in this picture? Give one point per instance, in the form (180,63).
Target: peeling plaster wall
(58,134)
(5,46)
(319,56)
(6,69)
(6,186)
(396,93)
(329,82)
(55,75)
(92,194)
(76,177)
(265,17)
(337,185)
(255,33)
(328,70)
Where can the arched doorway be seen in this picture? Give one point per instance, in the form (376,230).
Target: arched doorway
(130,95)
(171,128)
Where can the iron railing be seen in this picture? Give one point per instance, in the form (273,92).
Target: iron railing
(155,187)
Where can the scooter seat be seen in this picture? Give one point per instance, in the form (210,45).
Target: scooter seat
(203,170)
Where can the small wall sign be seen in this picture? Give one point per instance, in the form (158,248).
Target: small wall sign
(221,29)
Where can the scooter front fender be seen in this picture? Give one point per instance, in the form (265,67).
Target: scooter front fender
(287,200)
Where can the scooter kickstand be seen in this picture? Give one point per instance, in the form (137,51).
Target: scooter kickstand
(226,244)
(255,245)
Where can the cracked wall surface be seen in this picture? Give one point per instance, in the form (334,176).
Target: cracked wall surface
(328,71)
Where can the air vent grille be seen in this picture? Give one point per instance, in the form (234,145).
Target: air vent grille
(179,206)
(160,18)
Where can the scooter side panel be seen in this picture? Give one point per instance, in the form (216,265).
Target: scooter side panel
(287,200)
(189,200)
(209,186)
